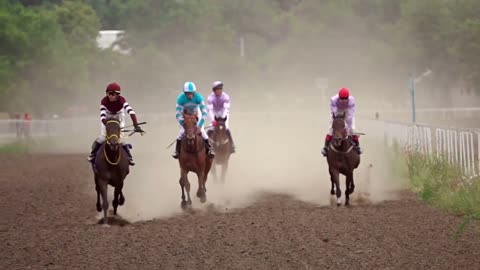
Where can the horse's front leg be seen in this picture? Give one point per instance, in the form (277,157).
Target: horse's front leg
(335,178)
(104,190)
(352,184)
(116,196)
(214,170)
(202,191)
(97,188)
(121,200)
(224,171)
(185,186)
(332,190)
(348,190)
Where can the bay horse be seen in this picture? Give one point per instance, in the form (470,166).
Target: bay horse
(222,146)
(111,167)
(193,158)
(342,159)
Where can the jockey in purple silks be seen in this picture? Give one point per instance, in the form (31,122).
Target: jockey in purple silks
(218,104)
(343,102)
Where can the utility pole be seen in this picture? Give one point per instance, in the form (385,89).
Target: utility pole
(412,82)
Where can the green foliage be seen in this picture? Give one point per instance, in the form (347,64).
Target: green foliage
(49,45)
(17,147)
(439,183)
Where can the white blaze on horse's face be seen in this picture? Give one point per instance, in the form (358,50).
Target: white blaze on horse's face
(220,127)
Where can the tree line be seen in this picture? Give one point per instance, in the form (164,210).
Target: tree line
(48,49)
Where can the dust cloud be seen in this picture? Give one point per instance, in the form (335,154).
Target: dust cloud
(277,152)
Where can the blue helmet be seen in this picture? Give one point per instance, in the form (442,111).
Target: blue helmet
(189,87)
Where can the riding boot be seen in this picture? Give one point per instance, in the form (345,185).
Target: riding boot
(210,150)
(357,146)
(325,148)
(95,146)
(129,154)
(177,149)
(229,134)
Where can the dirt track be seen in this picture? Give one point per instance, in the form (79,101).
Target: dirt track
(48,222)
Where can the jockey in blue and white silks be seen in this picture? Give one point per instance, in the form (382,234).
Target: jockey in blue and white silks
(191,100)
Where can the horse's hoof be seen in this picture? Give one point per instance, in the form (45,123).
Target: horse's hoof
(121,201)
(339,204)
(99,207)
(203,199)
(105,225)
(115,211)
(184,205)
(332,192)
(104,222)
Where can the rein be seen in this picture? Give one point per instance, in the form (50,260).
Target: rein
(342,152)
(108,142)
(108,160)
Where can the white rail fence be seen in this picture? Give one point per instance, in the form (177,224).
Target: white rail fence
(460,146)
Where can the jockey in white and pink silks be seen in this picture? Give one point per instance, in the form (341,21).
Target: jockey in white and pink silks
(343,102)
(218,104)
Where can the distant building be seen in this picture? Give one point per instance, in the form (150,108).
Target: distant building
(113,39)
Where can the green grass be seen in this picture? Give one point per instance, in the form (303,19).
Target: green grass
(441,184)
(17,147)
(24,146)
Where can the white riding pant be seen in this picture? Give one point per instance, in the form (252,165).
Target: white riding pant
(103,131)
(350,128)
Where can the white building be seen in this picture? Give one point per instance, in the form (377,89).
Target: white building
(111,39)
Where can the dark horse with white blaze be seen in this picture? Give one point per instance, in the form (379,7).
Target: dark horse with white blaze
(111,167)
(193,158)
(222,146)
(342,159)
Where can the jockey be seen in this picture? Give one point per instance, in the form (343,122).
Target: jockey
(218,104)
(191,100)
(114,105)
(343,102)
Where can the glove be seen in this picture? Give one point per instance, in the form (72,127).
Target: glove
(214,123)
(137,128)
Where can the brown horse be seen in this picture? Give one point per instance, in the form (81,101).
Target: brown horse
(111,167)
(342,159)
(193,158)
(222,146)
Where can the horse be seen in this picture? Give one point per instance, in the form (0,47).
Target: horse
(222,146)
(342,159)
(193,158)
(111,167)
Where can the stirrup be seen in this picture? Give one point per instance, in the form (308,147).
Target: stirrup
(131,162)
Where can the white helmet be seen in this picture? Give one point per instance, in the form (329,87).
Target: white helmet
(189,87)
(217,85)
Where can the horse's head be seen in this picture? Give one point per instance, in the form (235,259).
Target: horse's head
(190,126)
(339,128)
(113,131)
(221,127)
